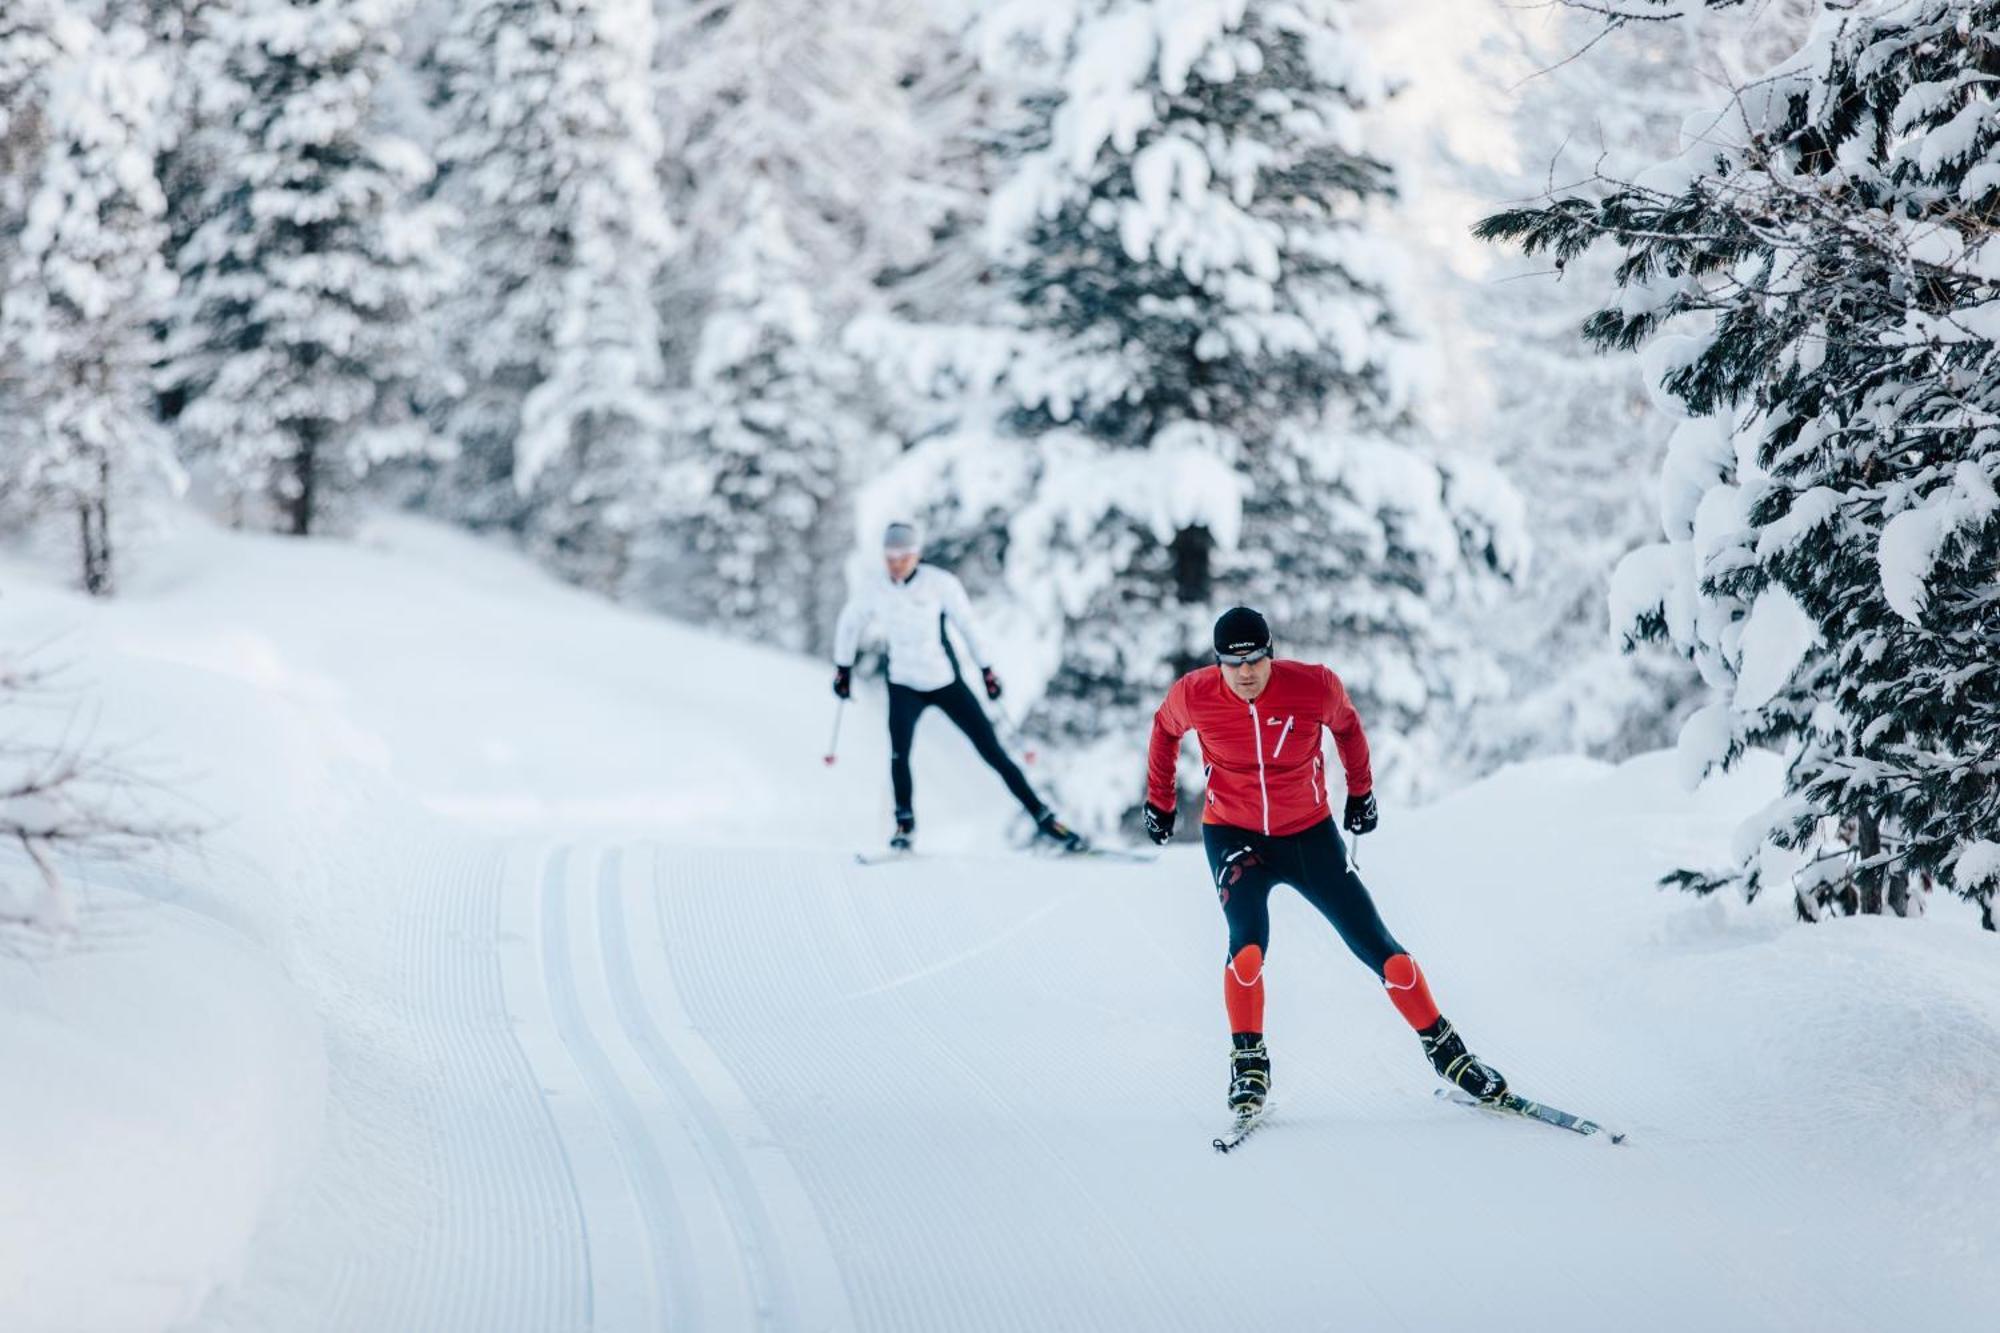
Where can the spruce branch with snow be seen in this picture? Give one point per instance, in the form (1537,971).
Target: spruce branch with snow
(1815,283)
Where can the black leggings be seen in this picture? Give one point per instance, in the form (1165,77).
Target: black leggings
(907,705)
(1248,864)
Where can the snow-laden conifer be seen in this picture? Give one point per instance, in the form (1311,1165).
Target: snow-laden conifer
(298,336)
(799,153)
(81,236)
(1196,387)
(762,441)
(1815,279)
(549,159)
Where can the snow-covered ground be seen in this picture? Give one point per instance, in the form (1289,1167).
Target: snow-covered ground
(527,982)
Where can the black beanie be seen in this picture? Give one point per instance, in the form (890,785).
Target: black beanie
(1241,630)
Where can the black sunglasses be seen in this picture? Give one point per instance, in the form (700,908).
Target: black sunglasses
(1242,659)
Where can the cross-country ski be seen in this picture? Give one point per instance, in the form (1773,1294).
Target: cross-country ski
(1511,1103)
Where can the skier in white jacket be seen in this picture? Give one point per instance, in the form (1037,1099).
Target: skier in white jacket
(911,603)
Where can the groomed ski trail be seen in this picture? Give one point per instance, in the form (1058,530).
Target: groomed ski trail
(691,1217)
(763,1089)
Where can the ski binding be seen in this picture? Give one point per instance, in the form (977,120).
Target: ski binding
(1247,1122)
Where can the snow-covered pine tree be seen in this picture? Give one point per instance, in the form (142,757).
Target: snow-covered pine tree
(299,332)
(81,236)
(1198,391)
(1570,428)
(797,153)
(549,159)
(763,438)
(812,102)
(1817,277)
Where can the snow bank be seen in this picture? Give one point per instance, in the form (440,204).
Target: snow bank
(165,1083)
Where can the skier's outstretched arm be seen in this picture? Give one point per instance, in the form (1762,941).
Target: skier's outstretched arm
(1345,724)
(847,631)
(1163,751)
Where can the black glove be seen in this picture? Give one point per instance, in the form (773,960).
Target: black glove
(1159,824)
(1359,817)
(992,683)
(843,681)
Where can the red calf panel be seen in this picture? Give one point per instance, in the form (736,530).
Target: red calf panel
(1409,992)
(1243,990)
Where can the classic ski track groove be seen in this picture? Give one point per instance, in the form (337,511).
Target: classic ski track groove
(506,1196)
(788,1262)
(651,1274)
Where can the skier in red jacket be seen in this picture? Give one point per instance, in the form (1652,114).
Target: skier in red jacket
(1266,821)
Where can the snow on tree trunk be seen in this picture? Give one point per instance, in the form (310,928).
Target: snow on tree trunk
(1816,277)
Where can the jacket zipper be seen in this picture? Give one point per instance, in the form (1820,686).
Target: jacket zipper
(1263,792)
(1290,722)
(1315,779)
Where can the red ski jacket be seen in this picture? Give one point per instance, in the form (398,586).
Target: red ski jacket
(1262,759)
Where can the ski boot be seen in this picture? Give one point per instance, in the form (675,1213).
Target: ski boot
(1065,838)
(1458,1066)
(906,829)
(1249,1072)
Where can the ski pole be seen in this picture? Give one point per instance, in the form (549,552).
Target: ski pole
(833,745)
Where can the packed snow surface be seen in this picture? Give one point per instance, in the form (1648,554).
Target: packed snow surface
(555,1000)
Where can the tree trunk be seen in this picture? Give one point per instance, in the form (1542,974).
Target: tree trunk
(305,471)
(96,553)
(1868,876)
(1194,583)
(94,521)
(1899,893)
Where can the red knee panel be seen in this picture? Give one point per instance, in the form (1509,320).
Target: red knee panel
(1243,989)
(1409,992)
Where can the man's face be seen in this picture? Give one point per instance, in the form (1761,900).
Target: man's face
(900,563)
(1248,679)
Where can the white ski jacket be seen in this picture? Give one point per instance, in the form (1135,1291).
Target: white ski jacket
(911,616)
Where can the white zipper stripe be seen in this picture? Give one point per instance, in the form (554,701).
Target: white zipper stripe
(1257,733)
(1290,722)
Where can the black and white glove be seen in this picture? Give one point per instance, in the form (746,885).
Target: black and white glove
(992,683)
(1359,817)
(843,681)
(1159,824)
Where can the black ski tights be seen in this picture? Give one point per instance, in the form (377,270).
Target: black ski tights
(907,705)
(1248,864)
